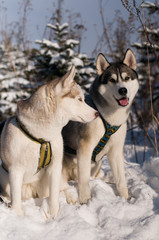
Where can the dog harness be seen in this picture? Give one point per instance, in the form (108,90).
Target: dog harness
(109,131)
(45,149)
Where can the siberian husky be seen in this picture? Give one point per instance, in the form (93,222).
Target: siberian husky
(112,94)
(32,140)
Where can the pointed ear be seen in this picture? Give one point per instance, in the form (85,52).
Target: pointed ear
(22,105)
(130,60)
(68,78)
(101,64)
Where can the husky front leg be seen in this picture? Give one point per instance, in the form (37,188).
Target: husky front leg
(16,180)
(55,177)
(84,170)
(116,161)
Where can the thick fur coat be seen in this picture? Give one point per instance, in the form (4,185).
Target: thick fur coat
(43,115)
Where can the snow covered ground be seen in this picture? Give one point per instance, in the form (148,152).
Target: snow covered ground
(106,217)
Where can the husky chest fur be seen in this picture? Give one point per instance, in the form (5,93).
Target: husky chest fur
(112,94)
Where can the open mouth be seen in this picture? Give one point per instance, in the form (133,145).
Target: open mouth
(123,101)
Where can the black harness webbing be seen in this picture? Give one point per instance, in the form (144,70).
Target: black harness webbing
(45,149)
(109,131)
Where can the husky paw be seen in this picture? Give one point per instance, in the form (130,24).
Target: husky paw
(53,212)
(71,196)
(18,211)
(84,195)
(50,210)
(124,193)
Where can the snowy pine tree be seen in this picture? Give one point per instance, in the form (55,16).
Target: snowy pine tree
(13,82)
(56,57)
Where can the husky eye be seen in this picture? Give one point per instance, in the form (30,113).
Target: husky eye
(112,80)
(127,78)
(80,99)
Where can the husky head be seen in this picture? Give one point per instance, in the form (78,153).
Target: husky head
(60,101)
(117,83)
(72,105)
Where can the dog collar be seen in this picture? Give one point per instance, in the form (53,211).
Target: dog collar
(45,149)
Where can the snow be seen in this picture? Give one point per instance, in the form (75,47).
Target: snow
(11,96)
(48,43)
(151,31)
(145,44)
(3,66)
(77,62)
(106,216)
(87,70)
(71,52)
(72,42)
(64,25)
(57,26)
(14,82)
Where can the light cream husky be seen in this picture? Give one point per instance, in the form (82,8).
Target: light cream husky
(32,139)
(112,94)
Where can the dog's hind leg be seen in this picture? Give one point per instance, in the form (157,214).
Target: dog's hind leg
(16,179)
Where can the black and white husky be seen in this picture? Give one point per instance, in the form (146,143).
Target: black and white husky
(112,94)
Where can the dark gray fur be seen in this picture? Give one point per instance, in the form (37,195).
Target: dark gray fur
(116,68)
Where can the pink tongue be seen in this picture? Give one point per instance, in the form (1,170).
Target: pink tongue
(124,101)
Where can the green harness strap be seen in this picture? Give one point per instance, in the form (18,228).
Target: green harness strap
(45,149)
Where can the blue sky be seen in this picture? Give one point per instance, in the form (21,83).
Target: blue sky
(42,10)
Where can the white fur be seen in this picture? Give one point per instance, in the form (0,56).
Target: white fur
(44,114)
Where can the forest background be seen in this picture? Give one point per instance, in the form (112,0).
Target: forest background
(26,64)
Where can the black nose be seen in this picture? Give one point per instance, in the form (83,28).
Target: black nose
(123,91)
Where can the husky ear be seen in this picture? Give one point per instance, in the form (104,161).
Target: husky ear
(130,60)
(101,64)
(68,78)
(21,105)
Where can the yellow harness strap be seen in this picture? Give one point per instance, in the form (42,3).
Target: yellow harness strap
(45,149)
(45,155)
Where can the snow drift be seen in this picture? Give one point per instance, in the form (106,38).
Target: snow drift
(106,216)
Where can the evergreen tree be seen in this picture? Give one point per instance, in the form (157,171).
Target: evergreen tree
(56,57)
(13,82)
